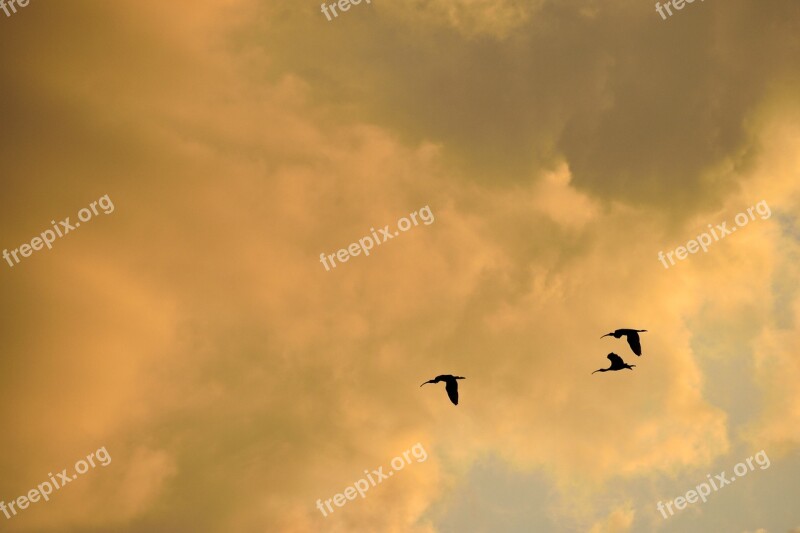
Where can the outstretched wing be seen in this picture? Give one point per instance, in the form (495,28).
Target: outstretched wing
(633,341)
(615,360)
(452,390)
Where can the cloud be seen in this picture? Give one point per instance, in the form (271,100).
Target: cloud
(235,381)
(619,521)
(471,18)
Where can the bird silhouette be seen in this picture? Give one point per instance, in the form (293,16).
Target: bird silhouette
(632,335)
(451,385)
(616,364)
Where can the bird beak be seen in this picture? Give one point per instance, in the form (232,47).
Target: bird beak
(606,335)
(425,383)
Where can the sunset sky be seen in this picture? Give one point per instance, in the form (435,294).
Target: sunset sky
(560,145)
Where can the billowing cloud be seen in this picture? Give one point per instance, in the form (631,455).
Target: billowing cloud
(235,381)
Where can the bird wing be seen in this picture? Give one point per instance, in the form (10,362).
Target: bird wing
(452,390)
(615,359)
(633,341)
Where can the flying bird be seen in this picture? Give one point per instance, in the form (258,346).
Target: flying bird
(632,335)
(451,385)
(616,364)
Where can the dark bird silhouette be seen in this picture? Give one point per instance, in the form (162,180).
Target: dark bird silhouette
(633,338)
(616,364)
(451,385)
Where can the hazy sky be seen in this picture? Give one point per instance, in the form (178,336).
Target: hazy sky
(560,146)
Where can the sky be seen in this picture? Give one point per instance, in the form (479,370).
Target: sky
(190,334)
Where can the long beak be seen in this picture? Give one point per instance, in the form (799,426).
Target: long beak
(431,381)
(599,369)
(606,335)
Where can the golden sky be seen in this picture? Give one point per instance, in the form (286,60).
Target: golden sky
(560,146)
